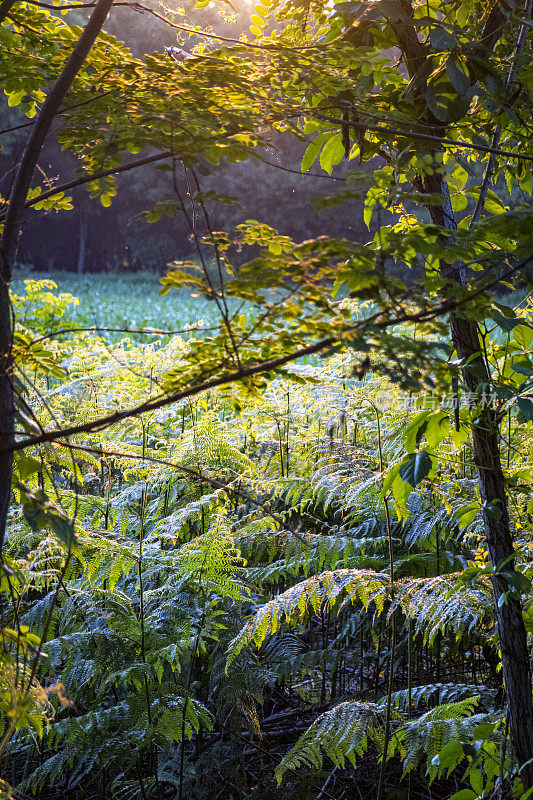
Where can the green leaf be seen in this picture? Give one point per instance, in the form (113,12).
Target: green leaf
(526,183)
(526,408)
(441,39)
(523,335)
(464,794)
(313,149)
(437,102)
(466,514)
(483,731)
(332,153)
(416,468)
(389,479)
(415,430)
(523,367)
(527,614)
(493,204)
(458,74)
(459,437)
(476,781)
(450,755)
(437,428)
(27,465)
(506,322)
(459,202)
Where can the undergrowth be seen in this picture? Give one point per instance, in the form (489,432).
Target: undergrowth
(233,587)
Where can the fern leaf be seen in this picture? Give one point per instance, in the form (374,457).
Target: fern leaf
(340,733)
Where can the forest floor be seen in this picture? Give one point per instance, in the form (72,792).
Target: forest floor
(226,602)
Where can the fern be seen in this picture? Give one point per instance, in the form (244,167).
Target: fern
(220,601)
(293,606)
(440,693)
(423,738)
(341,733)
(206,446)
(444,603)
(171,527)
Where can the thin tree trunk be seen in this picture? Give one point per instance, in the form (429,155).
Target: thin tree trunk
(10,238)
(516,666)
(5,8)
(7,410)
(7,405)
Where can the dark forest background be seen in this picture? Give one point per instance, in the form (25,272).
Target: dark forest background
(91,238)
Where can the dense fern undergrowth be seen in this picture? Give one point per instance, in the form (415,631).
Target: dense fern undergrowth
(244,612)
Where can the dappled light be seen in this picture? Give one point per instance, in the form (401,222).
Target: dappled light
(266,400)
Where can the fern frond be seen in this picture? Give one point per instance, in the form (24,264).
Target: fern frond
(212,561)
(423,738)
(170,527)
(440,693)
(444,603)
(205,445)
(340,733)
(294,605)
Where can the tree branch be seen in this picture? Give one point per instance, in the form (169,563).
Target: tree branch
(11,233)
(103,173)
(459,143)
(520,42)
(40,131)
(257,369)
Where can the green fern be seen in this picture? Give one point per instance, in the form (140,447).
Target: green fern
(445,603)
(440,693)
(422,739)
(341,733)
(293,606)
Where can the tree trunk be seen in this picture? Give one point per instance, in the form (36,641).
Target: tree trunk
(10,238)
(5,8)
(7,404)
(516,666)
(7,399)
